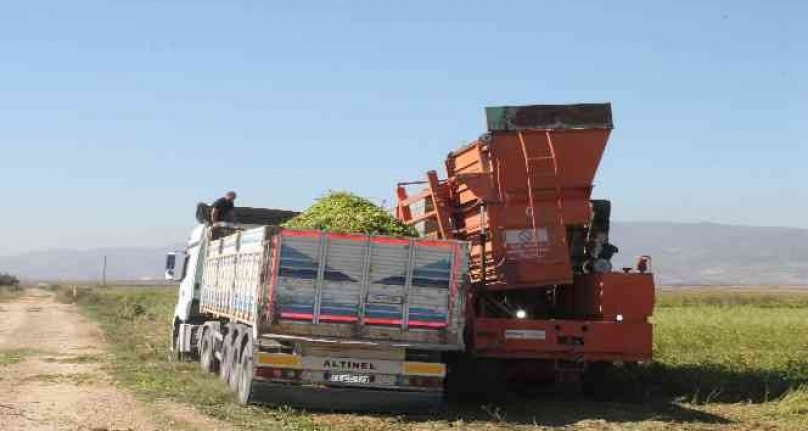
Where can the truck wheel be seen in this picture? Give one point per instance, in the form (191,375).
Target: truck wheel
(227,356)
(235,372)
(175,351)
(246,370)
(207,359)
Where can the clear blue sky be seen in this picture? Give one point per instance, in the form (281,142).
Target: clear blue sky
(117,117)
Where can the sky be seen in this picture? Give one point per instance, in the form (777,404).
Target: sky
(116,117)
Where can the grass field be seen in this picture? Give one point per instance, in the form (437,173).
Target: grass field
(724,360)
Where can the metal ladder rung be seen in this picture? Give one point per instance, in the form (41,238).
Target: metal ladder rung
(539,175)
(553,176)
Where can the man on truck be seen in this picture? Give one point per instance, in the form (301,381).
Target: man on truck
(222,210)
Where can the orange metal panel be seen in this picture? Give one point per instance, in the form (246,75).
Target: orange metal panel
(524,186)
(609,295)
(530,185)
(562,339)
(527,208)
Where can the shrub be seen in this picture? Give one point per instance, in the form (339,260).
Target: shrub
(9,282)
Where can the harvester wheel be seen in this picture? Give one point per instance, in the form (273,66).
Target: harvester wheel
(594,381)
(476,379)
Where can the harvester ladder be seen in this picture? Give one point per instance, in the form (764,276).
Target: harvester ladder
(432,193)
(529,163)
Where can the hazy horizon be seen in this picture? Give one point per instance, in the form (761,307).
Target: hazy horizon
(179,238)
(683,254)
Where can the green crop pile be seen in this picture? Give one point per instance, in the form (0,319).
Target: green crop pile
(345,212)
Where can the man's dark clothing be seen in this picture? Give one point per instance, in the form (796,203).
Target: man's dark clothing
(225,209)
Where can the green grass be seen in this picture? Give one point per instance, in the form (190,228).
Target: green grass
(80,359)
(73,379)
(721,359)
(14,356)
(732,352)
(724,298)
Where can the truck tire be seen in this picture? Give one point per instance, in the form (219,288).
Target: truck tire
(207,358)
(176,355)
(225,366)
(246,371)
(238,352)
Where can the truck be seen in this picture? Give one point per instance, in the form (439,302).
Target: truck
(318,319)
(545,304)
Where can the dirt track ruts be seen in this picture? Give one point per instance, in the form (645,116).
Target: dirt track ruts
(54,376)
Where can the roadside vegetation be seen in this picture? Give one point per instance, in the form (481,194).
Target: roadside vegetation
(9,286)
(737,360)
(14,356)
(9,282)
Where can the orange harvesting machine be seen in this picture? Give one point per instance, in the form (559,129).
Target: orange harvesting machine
(543,291)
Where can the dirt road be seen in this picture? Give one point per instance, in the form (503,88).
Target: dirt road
(53,377)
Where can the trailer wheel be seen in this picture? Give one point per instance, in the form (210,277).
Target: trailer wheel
(207,359)
(227,355)
(246,370)
(238,353)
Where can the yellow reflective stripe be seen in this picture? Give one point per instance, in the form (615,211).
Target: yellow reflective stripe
(424,369)
(278,360)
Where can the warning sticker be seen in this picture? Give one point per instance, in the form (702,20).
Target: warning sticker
(527,243)
(525,334)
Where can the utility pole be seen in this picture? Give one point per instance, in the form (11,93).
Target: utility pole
(104,270)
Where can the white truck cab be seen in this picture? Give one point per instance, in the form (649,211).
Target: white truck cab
(185,267)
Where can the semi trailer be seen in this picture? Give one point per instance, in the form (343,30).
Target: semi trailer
(544,302)
(317,319)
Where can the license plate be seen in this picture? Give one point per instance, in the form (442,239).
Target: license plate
(349,378)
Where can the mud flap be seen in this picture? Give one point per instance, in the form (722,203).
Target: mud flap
(187,339)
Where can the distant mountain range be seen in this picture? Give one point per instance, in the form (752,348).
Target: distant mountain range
(85,265)
(715,254)
(683,253)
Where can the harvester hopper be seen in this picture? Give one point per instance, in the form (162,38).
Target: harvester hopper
(518,191)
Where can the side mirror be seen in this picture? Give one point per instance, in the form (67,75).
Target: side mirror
(175,266)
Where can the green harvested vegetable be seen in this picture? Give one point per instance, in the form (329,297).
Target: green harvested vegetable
(345,212)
